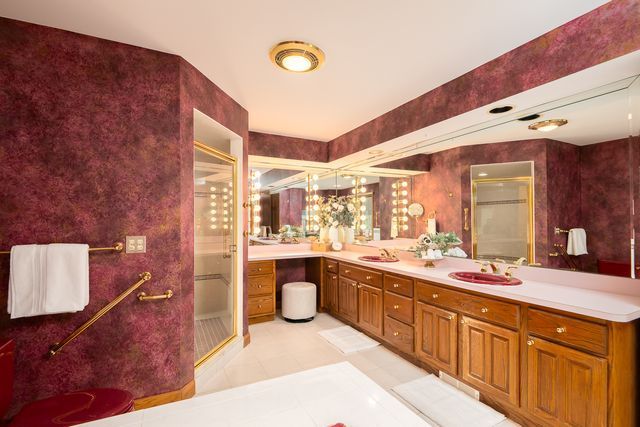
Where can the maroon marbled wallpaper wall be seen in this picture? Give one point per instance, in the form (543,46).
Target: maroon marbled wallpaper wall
(291,205)
(97,143)
(286,147)
(603,34)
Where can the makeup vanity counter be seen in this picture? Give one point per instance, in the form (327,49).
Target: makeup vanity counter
(560,349)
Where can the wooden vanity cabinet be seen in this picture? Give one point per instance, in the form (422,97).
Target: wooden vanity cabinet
(566,387)
(370,309)
(348,299)
(261,291)
(437,337)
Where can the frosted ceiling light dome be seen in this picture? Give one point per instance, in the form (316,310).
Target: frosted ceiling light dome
(297,56)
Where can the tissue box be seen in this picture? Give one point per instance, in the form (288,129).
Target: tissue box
(320,247)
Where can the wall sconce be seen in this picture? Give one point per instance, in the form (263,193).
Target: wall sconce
(254,202)
(358,192)
(400,202)
(313,204)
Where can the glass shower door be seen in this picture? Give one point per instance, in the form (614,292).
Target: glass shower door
(215,251)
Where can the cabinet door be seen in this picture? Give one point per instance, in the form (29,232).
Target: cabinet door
(333,291)
(437,337)
(348,299)
(566,386)
(370,309)
(490,359)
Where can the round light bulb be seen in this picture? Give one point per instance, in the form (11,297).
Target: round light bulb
(363,190)
(316,227)
(353,182)
(213,196)
(363,208)
(404,183)
(315,187)
(225,189)
(213,219)
(363,217)
(394,194)
(315,177)
(297,63)
(353,190)
(395,210)
(393,185)
(213,226)
(213,212)
(212,188)
(404,192)
(256,218)
(363,199)
(257,208)
(405,227)
(363,180)
(315,197)
(363,227)
(316,207)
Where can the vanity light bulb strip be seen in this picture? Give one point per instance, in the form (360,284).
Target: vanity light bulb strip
(254,202)
(312,205)
(400,203)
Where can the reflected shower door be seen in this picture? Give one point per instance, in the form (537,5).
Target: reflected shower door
(215,251)
(503,219)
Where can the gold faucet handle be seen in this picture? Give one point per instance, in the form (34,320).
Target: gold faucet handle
(483,266)
(507,273)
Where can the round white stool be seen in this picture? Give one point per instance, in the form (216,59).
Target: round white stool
(298,301)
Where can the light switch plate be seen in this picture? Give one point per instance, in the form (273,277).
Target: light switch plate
(136,244)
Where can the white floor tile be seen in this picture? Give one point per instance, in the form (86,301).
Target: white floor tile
(245,373)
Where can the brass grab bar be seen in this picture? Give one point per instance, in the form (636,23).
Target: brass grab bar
(55,348)
(558,230)
(117,247)
(142,296)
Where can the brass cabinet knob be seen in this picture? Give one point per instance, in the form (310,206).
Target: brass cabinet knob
(359,286)
(347,271)
(259,306)
(259,286)
(561,330)
(368,277)
(530,342)
(334,277)
(259,269)
(395,285)
(434,296)
(462,321)
(396,306)
(450,317)
(395,334)
(353,284)
(484,310)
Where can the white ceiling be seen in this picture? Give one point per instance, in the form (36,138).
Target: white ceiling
(380,53)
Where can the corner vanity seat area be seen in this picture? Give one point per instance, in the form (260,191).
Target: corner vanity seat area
(558,349)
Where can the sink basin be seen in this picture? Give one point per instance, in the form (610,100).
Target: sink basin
(377,258)
(484,278)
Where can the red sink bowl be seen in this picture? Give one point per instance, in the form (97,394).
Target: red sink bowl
(484,278)
(376,258)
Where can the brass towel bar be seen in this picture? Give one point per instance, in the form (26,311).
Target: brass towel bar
(142,296)
(55,348)
(117,247)
(558,230)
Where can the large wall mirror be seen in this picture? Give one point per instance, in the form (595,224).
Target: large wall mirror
(552,183)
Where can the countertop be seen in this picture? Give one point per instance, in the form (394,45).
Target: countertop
(620,306)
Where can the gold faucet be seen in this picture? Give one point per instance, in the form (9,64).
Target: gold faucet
(507,273)
(520,261)
(495,268)
(483,266)
(389,253)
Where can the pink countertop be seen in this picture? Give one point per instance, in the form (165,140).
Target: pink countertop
(602,297)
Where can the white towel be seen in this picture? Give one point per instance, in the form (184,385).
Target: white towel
(48,279)
(577,242)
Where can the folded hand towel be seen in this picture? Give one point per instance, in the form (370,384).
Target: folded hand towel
(577,242)
(48,279)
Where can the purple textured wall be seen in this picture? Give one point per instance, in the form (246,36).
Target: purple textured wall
(291,205)
(97,143)
(603,34)
(286,147)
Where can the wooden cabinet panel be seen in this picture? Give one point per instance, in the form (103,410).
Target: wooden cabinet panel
(490,359)
(361,275)
(499,312)
(399,285)
(575,332)
(332,266)
(348,299)
(260,285)
(566,387)
(261,267)
(398,334)
(437,337)
(331,280)
(398,307)
(260,306)
(370,309)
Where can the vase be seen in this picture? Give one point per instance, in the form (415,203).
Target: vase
(324,235)
(345,234)
(333,234)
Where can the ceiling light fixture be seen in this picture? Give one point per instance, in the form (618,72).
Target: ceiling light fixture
(500,110)
(548,125)
(296,56)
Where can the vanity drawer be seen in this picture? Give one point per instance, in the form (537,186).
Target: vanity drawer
(261,305)
(332,266)
(399,285)
(260,267)
(398,307)
(260,285)
(398,334)
(476,306)
(578,333)
(361,275)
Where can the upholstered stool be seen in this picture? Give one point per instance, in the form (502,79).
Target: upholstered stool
(298,301)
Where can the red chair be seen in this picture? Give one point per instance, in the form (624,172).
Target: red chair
(64,410)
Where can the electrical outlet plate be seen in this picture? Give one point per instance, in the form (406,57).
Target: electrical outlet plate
(136,244)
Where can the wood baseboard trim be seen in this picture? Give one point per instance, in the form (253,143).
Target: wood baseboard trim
(260,319)
(247,339)
(185,392)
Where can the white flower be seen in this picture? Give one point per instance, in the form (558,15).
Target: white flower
(335,223)
(351,207)
(335,205)
(340,208)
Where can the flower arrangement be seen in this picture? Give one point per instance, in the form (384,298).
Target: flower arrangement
(436,241)
(291,231)
(342,211)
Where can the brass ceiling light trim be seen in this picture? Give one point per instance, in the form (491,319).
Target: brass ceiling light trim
(548,125)
(297,56)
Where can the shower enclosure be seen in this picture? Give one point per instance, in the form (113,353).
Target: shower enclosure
(215,200)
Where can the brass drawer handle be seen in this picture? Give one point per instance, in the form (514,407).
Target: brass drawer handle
(395,334)
(347,271)
(259,305)
(462,321)
(395,285)
(259,268)
(434,296)
(359,286)
(450,317)
(368,277)
(484,310)
(561,330)
(334,277)
(144,297)
(353,284)
(530,342)
(396,306)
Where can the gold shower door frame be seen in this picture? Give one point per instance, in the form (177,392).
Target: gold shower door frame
(226,157)
(530,238)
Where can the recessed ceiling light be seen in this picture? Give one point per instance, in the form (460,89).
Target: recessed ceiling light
(374,152)
(548,125)
(500,110)
(296,56)
(483,174)
(530,117)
